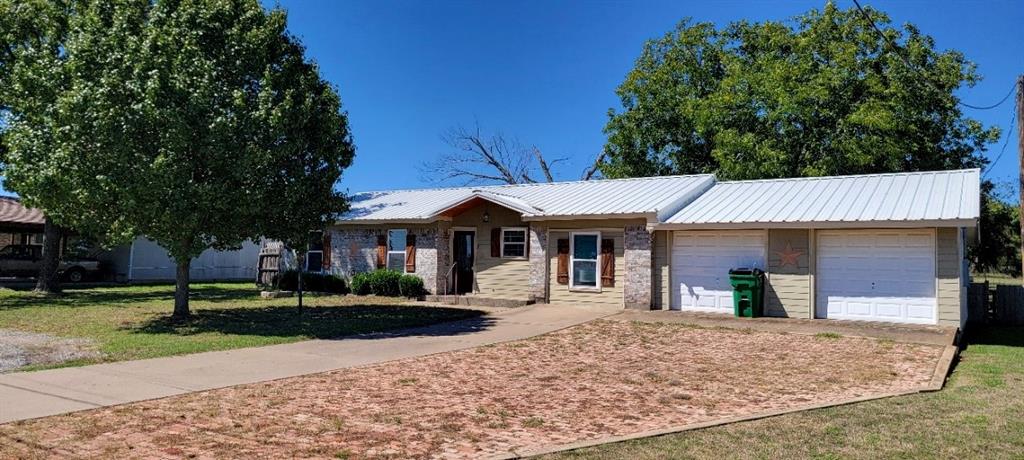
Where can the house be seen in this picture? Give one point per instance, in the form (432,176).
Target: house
(882,247)
(142,260)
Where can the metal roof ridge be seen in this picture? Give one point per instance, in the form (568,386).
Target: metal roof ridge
(848,176)
(536,184)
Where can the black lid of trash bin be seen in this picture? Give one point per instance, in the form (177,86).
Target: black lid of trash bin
(745,271)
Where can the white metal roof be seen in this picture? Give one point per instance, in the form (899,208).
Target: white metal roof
(654,198)
(941,198)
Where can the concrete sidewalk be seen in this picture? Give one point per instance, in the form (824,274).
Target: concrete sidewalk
(28,395)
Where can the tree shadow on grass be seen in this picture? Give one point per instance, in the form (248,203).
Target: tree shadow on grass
(125,295)
(1007,336)
(323,322)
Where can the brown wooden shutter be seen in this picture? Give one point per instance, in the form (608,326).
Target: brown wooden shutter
(327,251)
(563,261)
(496,242)
(382,251)
(607,263)
(410,253)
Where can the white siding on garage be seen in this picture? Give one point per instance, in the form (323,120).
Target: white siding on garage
(877,275)
(701,261)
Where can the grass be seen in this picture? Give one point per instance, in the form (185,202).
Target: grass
(977,415)
(133,322)
(997,278)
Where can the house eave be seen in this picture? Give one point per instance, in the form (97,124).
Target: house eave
(819,225)
(428,220)
(649,216)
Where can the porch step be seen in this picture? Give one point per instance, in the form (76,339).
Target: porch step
(477,301)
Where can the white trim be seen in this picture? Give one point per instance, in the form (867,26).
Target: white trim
(572,262)
(387,257)
(820,225)
(525,243)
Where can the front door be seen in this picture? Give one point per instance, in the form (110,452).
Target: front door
(463,246)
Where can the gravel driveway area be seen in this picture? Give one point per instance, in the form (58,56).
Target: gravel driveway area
(18,348)
(604,378)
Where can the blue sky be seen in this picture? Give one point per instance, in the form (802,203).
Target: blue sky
(545,71)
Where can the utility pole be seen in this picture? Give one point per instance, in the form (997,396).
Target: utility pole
(1020,156)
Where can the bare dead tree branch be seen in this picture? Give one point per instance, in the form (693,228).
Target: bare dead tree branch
(543,164)
(593,169)
(477,158)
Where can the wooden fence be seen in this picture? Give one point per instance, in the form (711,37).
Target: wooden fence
(269,263)
(1002,306)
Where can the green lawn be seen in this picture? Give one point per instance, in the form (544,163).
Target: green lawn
(980,414)
(996,278)
(133,322)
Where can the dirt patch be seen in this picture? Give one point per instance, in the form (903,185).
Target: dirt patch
(606,378)
(19,349)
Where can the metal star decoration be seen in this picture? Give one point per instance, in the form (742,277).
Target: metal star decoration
(789,256)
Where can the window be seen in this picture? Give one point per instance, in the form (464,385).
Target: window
(315,253)
(396,250)
(513,243)
(583,260)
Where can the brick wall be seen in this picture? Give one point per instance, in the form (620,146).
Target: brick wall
(637,289)
(354,250)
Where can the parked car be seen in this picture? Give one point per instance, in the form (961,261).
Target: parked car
(27,260)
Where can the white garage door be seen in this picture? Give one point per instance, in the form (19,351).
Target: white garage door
(701,262)
(877,275)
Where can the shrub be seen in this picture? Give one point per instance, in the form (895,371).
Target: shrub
(410,285)
(385,283)
(313,282)
(361,284)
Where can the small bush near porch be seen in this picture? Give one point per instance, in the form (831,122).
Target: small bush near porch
(133,322)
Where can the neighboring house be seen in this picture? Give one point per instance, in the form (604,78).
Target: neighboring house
(884,247)
(145,261)
(140,261)
(18,224)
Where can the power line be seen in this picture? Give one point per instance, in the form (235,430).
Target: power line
(893,48)
(1009,134)
(1012,88)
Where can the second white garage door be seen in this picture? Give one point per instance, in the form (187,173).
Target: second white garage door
(877,275)
(700,266)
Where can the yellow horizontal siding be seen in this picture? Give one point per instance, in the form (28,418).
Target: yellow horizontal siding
(494,276)
(947,272)
(788,292)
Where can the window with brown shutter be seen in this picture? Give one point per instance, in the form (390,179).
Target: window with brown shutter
(327,251)
(496,242)
(607,263)
(563,261)
(382,251)
(410,253)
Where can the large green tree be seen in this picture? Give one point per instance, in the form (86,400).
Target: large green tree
(821,94)
(199,124)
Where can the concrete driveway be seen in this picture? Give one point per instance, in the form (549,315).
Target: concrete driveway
(28,395)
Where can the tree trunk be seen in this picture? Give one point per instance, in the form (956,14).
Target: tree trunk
(302,267)
(181,290)
(46,281)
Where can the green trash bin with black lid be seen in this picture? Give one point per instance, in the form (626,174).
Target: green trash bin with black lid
(747,292)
